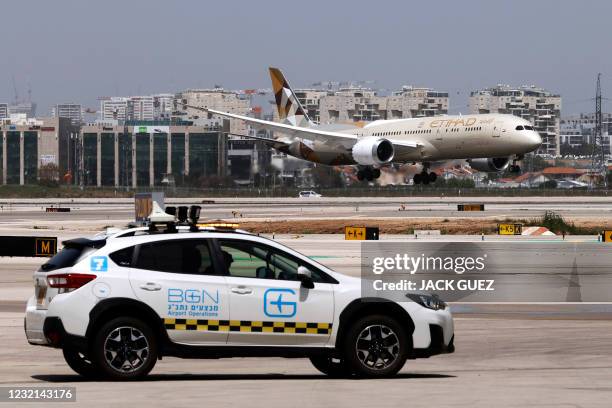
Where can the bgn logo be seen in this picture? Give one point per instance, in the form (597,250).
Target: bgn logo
(192,296)
(275,305)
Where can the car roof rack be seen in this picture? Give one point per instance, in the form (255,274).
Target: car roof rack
(178,219)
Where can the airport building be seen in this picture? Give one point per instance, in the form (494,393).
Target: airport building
(151,153)
(579,130)
(219,99)
(4,112)
(366,105)
(72,111)
(32,146)
(540,107)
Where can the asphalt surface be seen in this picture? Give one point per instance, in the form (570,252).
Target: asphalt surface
(507,355)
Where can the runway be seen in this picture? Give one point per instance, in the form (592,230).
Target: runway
(94,214)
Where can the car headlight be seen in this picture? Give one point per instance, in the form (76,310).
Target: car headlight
(431,301)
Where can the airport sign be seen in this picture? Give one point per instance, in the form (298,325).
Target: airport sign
(470,207)
(28,246)
(509,229)
(361,233)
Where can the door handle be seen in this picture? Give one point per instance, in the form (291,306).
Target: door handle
(242,291)
(150,286)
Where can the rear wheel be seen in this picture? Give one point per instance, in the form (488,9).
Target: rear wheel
(417,179)
(80,363)
(125,348)
(333,367)
(376,346)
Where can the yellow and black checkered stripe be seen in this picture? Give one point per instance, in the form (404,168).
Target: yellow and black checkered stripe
(247,326)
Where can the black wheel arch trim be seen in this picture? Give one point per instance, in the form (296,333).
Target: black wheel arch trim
(372,305)
(126,307)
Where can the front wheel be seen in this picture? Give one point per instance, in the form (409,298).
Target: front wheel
(80,363)
(333,367)
(376,346)
(125,348)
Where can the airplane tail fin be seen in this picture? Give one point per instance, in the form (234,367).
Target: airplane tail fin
(289,108)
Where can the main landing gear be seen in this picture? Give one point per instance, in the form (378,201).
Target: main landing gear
(368,173)
(425,177)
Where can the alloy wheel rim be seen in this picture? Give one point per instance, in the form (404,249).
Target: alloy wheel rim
(126,349)
(377,347)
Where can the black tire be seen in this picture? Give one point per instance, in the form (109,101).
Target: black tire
(376,173)
(417,178)
(335,368)
(425,178)
(432,177)
(80,363)
(360,175)
(124,348)
(389,351)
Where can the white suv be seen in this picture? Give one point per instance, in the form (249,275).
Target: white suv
(116,303)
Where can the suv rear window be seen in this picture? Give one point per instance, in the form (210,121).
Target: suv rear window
(65,258)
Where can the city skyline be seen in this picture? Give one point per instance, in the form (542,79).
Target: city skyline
(63,54)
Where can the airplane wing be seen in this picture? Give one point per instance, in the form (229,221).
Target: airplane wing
(331,138)
(338,139)
(275,143)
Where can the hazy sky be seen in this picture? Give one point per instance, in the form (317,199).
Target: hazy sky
(77,50)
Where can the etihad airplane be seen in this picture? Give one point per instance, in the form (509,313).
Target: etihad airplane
(489,142)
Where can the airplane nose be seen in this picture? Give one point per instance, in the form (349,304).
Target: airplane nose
(533,140)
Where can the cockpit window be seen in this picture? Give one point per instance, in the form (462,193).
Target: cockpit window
(519,127)
(528,127)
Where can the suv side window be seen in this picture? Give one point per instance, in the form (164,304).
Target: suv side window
(249,259)
(190,256)
(123,257)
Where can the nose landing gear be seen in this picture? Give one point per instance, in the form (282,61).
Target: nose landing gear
(515,167)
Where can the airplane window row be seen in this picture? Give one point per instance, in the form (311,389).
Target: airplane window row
(421,131)
(526,127)
(416,132)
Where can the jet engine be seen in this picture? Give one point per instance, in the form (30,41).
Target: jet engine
(370,151)
(490,165)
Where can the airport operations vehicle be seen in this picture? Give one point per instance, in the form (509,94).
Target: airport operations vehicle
(489,142)
(308,194)
(117,302)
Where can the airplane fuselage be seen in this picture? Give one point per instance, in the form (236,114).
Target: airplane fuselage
(438,138)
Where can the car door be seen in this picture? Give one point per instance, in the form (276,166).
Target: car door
(182,282)
(268,305)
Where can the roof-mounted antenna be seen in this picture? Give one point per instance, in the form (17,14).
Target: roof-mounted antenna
(159,216)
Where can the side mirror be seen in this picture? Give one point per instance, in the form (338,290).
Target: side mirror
(304,275)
